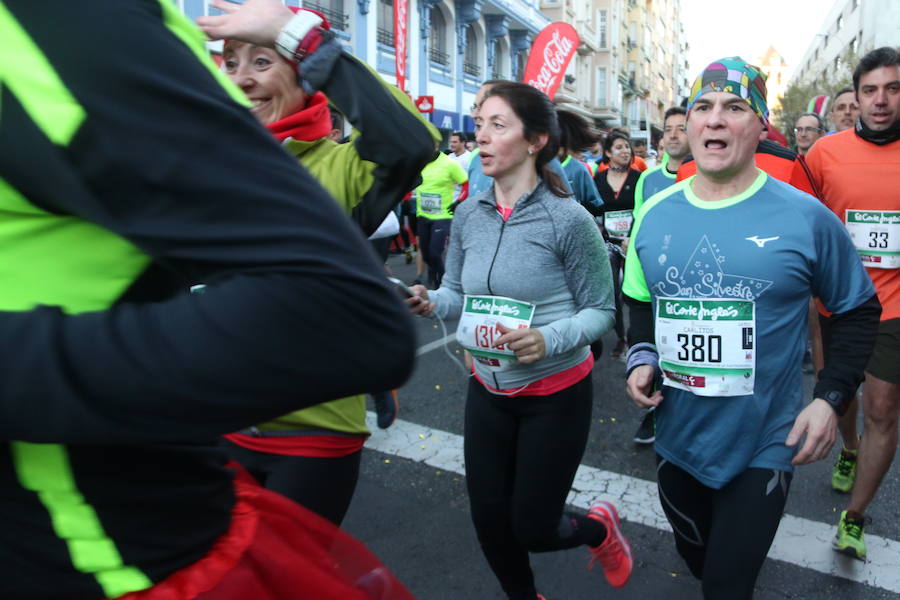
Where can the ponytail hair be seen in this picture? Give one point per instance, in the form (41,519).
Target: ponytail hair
(538,115)
(575,132)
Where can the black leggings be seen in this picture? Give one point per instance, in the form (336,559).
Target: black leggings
(323,485)
(617,263)
(433,237)
(723,535)
(521,457)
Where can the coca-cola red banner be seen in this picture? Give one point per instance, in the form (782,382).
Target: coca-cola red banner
(551,53)
(401,17)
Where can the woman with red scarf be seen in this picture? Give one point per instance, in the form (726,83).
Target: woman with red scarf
(313,455)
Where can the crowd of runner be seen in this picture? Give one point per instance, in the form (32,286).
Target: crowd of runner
(186,256)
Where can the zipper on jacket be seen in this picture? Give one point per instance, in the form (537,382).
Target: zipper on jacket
(493,258)
(490,290)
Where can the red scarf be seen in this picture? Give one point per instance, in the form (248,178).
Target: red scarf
(307,124)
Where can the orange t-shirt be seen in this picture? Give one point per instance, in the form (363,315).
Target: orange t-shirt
(637,163)
(852,173)
(781,163)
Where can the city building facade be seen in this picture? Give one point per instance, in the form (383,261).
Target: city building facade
(452,46)
(776,70)
(630,66)
(851,29)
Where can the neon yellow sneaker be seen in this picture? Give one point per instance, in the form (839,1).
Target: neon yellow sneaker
(844,473)
(850,539)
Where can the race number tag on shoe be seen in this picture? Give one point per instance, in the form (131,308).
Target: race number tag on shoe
(618,223)
(478,327)
(707,347)
(430,203)
(876,236)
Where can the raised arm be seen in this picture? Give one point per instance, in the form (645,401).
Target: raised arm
(393,141)
(165,159)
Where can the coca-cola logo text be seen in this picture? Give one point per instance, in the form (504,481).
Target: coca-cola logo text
(556,55)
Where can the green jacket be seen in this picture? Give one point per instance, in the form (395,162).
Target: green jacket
(367,177)
(117,382)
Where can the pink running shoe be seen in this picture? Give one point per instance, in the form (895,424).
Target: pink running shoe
(614,554)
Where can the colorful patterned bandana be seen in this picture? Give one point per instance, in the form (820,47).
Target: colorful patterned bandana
(737,76)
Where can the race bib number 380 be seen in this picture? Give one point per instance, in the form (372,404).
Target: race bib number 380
(876,237)
(707,347)
(478,327)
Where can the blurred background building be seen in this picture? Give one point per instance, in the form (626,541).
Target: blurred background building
(631,64)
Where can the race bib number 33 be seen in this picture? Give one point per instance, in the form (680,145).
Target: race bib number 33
(876,236)
(707,347)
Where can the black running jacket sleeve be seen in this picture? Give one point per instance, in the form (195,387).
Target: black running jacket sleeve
(392,136)
(640,321)
(296,311)
(851,337)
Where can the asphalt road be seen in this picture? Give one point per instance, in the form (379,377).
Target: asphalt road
(411,506)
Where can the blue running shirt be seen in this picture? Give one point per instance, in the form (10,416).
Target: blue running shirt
(763,253)
(651,182)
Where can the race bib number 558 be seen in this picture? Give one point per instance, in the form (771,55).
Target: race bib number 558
(707,347)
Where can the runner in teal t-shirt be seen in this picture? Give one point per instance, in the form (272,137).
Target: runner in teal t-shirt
(676,147)
(651,182)
(718,276)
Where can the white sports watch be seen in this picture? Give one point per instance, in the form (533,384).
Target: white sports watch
(294,32)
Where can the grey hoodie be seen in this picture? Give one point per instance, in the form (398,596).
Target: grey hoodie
(549,253)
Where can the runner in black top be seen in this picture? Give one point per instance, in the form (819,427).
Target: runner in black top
(616,186)
(117,381)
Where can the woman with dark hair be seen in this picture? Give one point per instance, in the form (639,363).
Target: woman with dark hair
(527,275)
(616,186)
(576,137)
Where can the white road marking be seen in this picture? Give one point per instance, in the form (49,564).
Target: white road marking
(799,541)
(436,344)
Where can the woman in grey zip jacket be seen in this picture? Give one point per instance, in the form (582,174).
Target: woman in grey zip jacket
(527,275)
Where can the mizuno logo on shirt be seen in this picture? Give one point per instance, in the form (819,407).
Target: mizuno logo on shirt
(761,241)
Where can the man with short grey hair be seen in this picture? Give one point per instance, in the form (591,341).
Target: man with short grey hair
(718,278)
(844,110)
(808,128)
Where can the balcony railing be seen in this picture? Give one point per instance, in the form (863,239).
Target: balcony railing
(436,56)
(472,69)
(339,20)
(385,36)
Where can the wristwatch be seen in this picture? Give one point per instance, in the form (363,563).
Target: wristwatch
(298,37)
(836,400)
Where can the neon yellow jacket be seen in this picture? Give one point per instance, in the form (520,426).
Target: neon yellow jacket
(435,195)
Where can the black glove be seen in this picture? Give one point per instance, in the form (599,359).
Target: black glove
(315,69)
